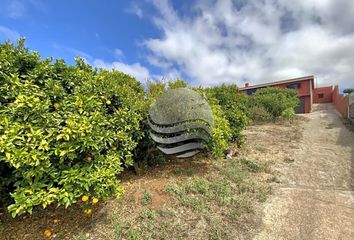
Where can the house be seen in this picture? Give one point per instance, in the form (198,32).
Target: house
(309,95)
(303,85)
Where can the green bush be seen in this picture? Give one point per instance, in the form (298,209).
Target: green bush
(259,114)
(235,107)
(288,114)
(275,100)
(65,131)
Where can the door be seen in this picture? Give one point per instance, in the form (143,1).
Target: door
(301,107)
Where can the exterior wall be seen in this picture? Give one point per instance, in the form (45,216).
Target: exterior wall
(308,104)
(327,94)
(340,102)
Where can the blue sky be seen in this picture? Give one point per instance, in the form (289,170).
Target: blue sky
(206,42)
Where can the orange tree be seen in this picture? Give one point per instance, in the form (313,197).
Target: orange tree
(65,131)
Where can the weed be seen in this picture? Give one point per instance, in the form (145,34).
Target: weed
(190,172)
(252,165)
(147,198)
(178,171)
(81,236)
(147,213)
(124,230)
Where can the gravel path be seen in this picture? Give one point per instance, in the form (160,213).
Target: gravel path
(315,199)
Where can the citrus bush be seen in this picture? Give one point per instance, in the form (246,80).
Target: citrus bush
(235,108)
(65,131)
(275,100)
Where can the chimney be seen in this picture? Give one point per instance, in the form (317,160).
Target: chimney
(247,84)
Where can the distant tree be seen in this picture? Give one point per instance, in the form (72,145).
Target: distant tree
(348,90)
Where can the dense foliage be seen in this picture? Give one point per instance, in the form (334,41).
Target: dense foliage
(277,102)
(235,106)
(65,130)
(348,90)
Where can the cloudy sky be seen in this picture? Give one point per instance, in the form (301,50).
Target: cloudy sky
(205,42)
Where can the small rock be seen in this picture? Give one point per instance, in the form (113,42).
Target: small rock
(289,160)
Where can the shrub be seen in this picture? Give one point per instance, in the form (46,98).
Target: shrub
(275,100)
(259,114)
(288,114)
(221,132)
(234,105)
(65,131)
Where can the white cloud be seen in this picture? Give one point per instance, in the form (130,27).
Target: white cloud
(118,53)
(135,9)
(16,9)
(256,41)
(9,34)
(136,70)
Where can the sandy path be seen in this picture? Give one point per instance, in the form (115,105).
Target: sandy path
(315,199)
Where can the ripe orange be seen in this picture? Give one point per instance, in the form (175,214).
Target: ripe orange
(56,105)
(88,211)
(85,198)
(47,233)
(94,200)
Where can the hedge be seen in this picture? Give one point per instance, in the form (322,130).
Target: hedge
(65,131)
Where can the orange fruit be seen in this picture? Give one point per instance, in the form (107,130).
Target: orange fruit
(89,158)
(85,198)
(47,233)
(56,105)
(88,211)
(114,149)
(108,102)
(94,200)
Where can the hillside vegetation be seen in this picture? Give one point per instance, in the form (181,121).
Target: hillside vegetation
(66,132)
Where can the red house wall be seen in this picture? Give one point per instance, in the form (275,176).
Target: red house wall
(308,104)
(340,102)
(304,90)
(327,94)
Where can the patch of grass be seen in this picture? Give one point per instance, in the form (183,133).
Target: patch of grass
(81,236)
(252,165)
(147,198)
(349,124)
(190,172)
(178,171)
(231,188)
(147,213)
(124,230)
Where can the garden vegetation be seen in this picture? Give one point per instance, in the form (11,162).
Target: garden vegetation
(68,131)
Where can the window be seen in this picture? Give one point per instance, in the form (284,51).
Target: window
(320,95)
(294,86)
(251,91)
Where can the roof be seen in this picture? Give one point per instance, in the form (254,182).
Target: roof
(293,80)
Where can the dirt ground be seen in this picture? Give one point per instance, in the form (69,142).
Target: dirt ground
(315,195)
